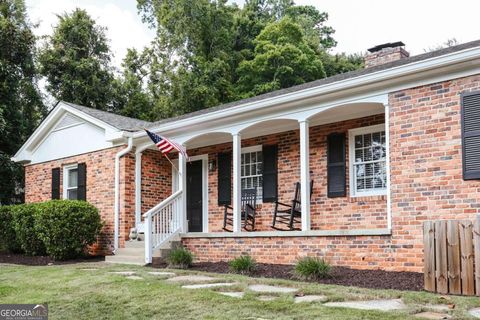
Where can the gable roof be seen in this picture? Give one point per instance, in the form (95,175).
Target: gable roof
(115,120)
(325,81)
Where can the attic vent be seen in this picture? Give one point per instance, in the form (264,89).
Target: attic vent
(67,120)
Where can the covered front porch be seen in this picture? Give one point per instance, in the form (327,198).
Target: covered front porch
(342,148)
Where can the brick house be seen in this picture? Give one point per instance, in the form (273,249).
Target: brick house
(387,147)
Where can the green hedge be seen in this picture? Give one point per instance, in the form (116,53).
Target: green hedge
(68,227)
(8,238)
(25,217)
(63,229)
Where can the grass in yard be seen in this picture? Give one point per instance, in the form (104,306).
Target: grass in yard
(73,293)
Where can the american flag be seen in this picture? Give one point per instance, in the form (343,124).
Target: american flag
(165,145)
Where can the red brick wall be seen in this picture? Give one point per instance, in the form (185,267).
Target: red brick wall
(156,179)
(426,163)
(365,252)
(100,188)
(326,213)
(427,184)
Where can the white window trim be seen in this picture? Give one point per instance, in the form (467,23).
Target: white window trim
(249,150)
(65,178)
(351,156)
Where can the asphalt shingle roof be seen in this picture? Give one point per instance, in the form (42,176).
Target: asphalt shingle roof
(329,80)
(115,120)
(130,124)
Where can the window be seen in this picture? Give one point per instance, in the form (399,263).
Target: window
(70,182)
(368,161)
(252,169)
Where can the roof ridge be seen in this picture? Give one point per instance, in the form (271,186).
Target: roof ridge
(116,120)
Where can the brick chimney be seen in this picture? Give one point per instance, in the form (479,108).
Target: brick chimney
(385,53)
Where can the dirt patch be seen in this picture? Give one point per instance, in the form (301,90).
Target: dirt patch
(21,259)
(375,279)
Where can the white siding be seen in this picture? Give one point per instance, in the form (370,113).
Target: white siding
(70,141)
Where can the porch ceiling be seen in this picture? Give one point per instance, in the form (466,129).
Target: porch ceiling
(346,112)
(272,126)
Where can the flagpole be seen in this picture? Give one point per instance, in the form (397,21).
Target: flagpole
(171,163)
(166,154)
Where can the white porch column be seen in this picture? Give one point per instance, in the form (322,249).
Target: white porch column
(182,185)
(305,174)
(237,188)
(387,166)
(138,188)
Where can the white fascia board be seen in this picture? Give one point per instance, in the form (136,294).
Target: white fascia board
(413,70)
(24,153)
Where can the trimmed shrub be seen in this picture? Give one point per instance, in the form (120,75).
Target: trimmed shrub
(180,258)
(242,265)
(312,268)
(24,221)
(67,227)
(8,239)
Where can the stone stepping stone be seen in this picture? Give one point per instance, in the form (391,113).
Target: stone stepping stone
(310,298)
(380,305)
(168,274)
(134,278)
(433,315)
(438,307)
(271,289)
(208,285)
(266,298)
(475,313)
(124,273)
(238,294)
(191,278)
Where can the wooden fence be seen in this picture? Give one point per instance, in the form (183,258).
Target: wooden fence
(452,256)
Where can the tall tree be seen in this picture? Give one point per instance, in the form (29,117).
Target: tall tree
(207,51)
(132,96)
(21,105)
(282,58)
(76,62)
(191,68)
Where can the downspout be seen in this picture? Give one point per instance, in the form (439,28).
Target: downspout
(120,154)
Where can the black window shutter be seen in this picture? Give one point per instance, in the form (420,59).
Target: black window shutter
(56,183)
(82,182)
(224,178)
(471,135)
(270,173)
(336,165)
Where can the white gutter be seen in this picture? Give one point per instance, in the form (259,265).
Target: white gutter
(120,154)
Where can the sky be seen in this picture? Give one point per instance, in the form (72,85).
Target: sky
(359,24)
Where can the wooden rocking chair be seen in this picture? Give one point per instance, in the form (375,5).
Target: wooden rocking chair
(287,214)
(249,208)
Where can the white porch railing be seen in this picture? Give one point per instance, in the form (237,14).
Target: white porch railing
(162,222)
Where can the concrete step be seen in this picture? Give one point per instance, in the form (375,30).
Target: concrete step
(135,244)
(126,260)
(130,252)
(134,252)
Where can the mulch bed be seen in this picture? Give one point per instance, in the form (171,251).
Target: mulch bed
(374,279)
(21,259)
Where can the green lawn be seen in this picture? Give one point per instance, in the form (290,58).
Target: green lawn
(73,293)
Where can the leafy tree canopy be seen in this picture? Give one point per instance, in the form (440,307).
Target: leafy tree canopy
(282,58)
(21,105)
(210,52)
(76,62)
